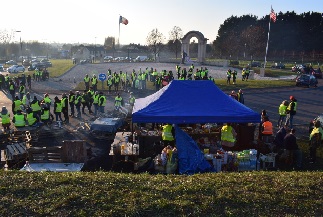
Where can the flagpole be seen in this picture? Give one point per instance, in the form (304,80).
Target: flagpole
(119,35)
(267,44)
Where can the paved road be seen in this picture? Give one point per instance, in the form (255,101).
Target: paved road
(309,102)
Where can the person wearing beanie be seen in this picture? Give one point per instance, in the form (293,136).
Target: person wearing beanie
(5,118)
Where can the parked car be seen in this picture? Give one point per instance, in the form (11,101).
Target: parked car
(298,68)
(16,68)
(34,66)
(306,80)
(317,73)
(47,63)
(108,58)
(255,64)
(11,62)
(34,61)
(278,66)
(85,61)
(26,63)
(141,58)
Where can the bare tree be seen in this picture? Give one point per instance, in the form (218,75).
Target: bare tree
(174,42)
(155,41)
(5,36)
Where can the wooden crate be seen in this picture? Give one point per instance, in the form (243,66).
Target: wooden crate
(45,154)
(14,152)
(74,151)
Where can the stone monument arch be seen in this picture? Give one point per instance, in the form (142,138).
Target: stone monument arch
(201,44)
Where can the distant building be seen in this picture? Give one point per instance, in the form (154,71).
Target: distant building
(88,52)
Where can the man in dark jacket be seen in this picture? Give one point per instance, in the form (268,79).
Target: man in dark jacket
(86,102)
(292,147)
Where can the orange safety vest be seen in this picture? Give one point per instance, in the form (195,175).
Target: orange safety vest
(267,128)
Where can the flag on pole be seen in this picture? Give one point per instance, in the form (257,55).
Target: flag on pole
(123,20)
(273,15)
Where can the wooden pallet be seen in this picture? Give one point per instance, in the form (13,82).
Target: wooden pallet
(14,152)
(45,154)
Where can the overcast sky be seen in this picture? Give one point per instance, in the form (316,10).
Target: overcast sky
(81,21)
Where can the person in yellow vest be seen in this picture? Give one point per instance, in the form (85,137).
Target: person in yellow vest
(32,118)
(5,118)
(12,90)
(143,80)
(282,113)
(40,75)
(243,74)
(78,99)
(247,73)
(116,82)
(22,90)
(26,100)
(71,101)
(87,82)
(64,102)
(228,135)
(154,74)
(291,111)
(315,142)
(35,106)
(109,83)
(267,129)
(6,80)
(178,71)
(96,102)
(58,109)
(117,102)
(157,82)
(47,100)
(102,102)
(19,119)
(229,73)
(16,105)
(132,99)
(168,135)
(94,82)
(45,116)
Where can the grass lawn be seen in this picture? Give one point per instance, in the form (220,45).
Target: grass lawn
(60,66)
(118,194)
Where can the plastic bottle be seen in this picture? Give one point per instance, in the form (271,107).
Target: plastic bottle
(5,167)
(122,149)
(135,149)
(129,149)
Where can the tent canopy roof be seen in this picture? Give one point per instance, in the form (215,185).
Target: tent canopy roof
(185,101)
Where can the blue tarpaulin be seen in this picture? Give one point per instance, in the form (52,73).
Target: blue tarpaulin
(185,101)
(190,158)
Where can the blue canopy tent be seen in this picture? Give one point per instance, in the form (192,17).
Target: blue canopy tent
(191,102)
(184,101)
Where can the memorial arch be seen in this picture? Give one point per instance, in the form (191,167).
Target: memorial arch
(201,44)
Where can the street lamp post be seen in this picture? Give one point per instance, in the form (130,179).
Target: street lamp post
(244,54)
(94,50)
(20,48)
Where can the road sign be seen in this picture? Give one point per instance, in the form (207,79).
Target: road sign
(102,77)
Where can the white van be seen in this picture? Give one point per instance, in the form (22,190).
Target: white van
(141,58)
